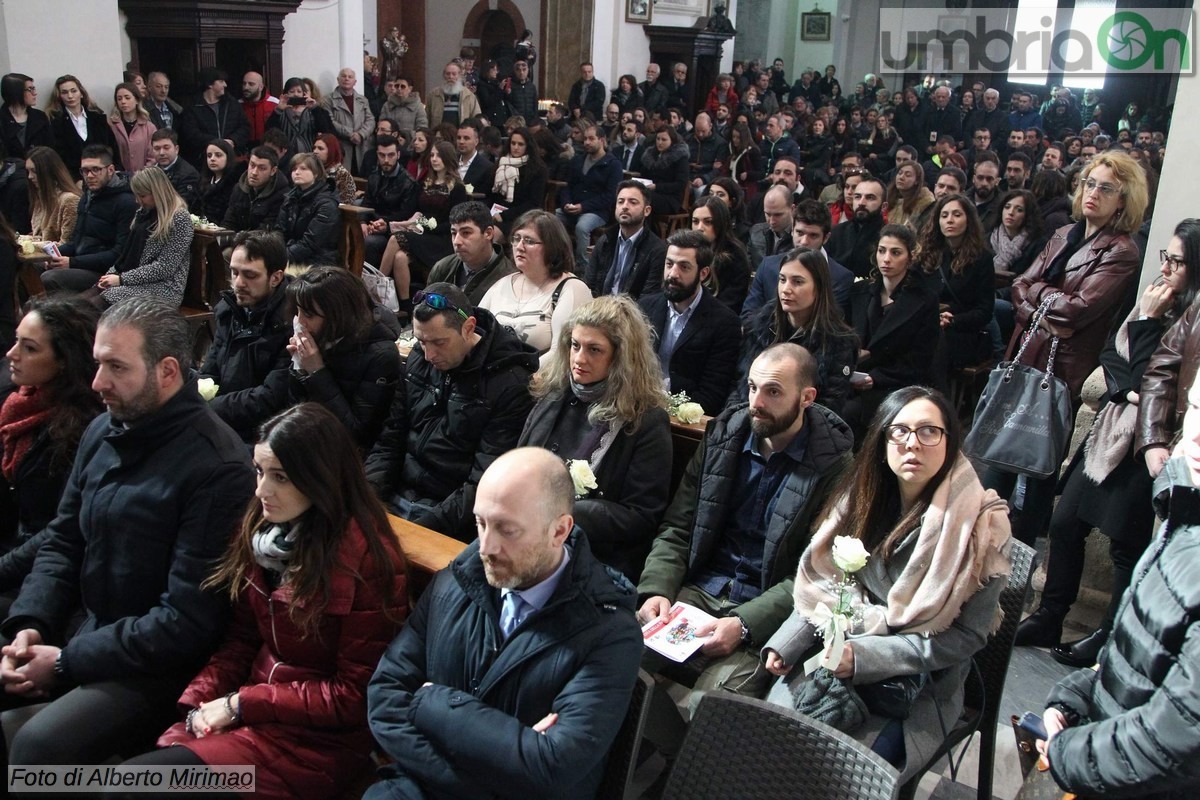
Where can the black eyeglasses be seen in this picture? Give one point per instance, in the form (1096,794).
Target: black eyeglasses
(928,435)
(437,302)
(1173,262)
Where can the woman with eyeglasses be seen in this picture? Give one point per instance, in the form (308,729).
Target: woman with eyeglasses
(729,279)
(599,400)
(318,586)
(804,312)
(1091,265)
(23,126)
(343,357)
(1109,483)
(536,301)
(936,545)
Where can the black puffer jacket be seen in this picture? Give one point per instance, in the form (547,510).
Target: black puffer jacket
(310,222)
(1136,733)
(255,209)
(357,383)
(145,515)
(102,226)
(248,360)
(446,428)
(669,172)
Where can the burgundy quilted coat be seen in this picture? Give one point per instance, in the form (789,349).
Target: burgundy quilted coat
(303,699)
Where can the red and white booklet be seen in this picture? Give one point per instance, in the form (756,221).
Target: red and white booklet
(675,635)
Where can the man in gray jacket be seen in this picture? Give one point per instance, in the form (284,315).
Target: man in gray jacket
(404,106)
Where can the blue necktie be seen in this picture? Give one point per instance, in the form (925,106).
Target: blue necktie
(511,613)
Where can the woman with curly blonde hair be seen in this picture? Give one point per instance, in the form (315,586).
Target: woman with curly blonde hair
(600,400)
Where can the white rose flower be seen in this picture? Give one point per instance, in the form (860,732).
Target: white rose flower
(849,555)
(208,388)
(687,413)
(27,248)
(581,475)
(470,189)
(431,222)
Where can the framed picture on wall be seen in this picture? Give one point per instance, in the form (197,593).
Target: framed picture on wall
(638,11)
(814,26)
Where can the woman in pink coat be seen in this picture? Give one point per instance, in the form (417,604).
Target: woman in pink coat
(132,128)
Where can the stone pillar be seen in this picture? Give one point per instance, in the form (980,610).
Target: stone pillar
(566,42)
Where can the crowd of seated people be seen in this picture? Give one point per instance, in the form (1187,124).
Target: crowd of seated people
(840,257)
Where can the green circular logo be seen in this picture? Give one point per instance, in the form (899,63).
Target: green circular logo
(1126,40)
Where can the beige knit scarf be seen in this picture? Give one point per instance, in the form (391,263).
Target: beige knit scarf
(963,542)
(1111,436)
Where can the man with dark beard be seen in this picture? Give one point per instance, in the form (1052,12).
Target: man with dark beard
(742,514)
(157,489)
(697,337)
(852,243)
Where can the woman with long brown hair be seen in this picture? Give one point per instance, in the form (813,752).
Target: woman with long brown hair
(424,238)
(319,590)
(908,196)
(729,279)
(75,122)
(954,254)
(53,196)
(935,545)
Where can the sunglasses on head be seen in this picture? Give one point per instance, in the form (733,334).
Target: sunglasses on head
(438,303)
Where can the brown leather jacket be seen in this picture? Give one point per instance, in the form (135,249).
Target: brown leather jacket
(1096,279)
(1166,380)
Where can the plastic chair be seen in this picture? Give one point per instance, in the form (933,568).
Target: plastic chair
(741,747)
(617,783)
(985,684)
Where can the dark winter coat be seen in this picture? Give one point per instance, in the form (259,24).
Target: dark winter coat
(669,172)
(595,190)
(704,361)
(643,273)
(302,699)
(200,124)
(37,132)
(1171,370)
(255,209)
(1135,732)
(146,513)
(621,516)
(902,338)
(357,383)
(836,358)
(310,222)
(446,428)
(470,733)
(248,360)
(708,494)
(392,197)
(67,142)
(102,226)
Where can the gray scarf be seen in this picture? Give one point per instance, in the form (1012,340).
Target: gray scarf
(301,131)
(273,547)
(1111,435)
(590,394)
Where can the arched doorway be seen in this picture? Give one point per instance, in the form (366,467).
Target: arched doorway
(495,25)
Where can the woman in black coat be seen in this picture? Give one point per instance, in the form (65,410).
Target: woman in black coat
(490,94)
(22,125)
(665,166)
(729,280)
(309,218)
(520,183)
(954,254)
(805,313)
(42,418)
(70,107)
(600,406)
(219,176)
(348,360)
(895,314)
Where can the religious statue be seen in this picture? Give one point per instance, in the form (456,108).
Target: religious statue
(719,23)
(394,47)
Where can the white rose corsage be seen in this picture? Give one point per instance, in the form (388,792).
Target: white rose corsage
(582,477)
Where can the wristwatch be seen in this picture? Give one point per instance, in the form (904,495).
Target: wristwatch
(745,629)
